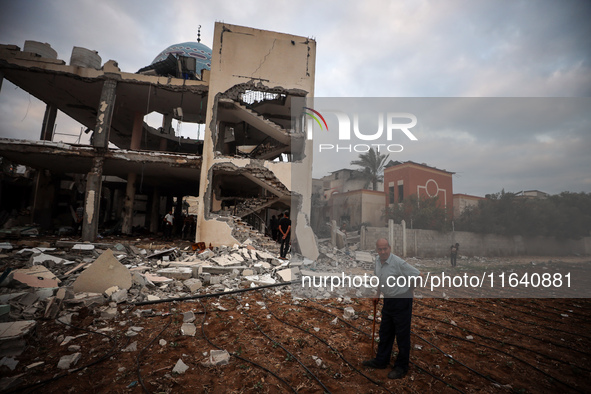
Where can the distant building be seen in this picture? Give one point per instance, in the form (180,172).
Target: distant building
(463,201)
(343,196)
(356,207)
(401,180)
(532,194)
(341,181)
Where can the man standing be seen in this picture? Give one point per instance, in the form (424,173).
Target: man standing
(274,227)
(168,223)
(284,231)
(454,254)
(397,309)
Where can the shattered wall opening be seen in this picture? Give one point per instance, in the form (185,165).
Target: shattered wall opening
(255,122)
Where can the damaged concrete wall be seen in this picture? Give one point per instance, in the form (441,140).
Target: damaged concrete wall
(266,61)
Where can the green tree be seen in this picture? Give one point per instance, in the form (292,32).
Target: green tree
(566,215)
(373,166)
(424,213)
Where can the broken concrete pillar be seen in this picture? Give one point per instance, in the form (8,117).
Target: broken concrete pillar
(128,204)
(48,122)
(391,233)
(100,137)
(333,233)
(362,236)
(136,132)
(92,199)
(166,127)
(403,223)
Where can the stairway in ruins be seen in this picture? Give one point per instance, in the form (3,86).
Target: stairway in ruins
(254,205)
(243,231)
(259,122)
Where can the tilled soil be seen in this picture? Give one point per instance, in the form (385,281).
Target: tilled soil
(465,345)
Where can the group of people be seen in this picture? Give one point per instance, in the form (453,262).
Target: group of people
(188,226)
(281,232)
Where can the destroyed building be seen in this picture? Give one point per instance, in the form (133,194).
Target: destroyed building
(241,92)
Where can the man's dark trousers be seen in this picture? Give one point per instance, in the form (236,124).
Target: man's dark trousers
(396,317)
(284,245)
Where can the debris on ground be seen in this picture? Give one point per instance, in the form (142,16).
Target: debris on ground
(50,286)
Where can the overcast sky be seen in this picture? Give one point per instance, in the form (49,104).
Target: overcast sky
(374,48)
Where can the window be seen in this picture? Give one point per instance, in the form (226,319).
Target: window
(400,193)
(391,194)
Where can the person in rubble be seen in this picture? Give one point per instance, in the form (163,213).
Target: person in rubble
(187,226)
(168,225)
(79,218)
(285,232)
(274,225)
(454,249)
(396,311)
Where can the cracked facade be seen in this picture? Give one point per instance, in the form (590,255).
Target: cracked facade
(240,171)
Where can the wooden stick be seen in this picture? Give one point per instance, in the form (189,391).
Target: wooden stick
(373,329)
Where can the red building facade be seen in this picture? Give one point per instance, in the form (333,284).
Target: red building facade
(402,180)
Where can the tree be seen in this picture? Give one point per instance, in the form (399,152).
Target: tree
(424,213)
(565,216)
(373,165)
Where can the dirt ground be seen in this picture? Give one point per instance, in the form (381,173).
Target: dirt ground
(279,344)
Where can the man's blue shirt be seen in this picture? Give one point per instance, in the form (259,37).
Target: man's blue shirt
(394,267)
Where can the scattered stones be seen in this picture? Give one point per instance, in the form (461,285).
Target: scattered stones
(349,313)
(9,362)
(285,275)
(180,367)
(179,273)
(188,329)
(131,348)
(218,357)
(193,284)
(66,362)
(119,296)
(188,317)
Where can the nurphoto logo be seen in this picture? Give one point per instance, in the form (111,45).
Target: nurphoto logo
(391,122)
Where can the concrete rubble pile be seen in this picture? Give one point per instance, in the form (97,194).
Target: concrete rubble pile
(335,262)
(55,280)
(43,281)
